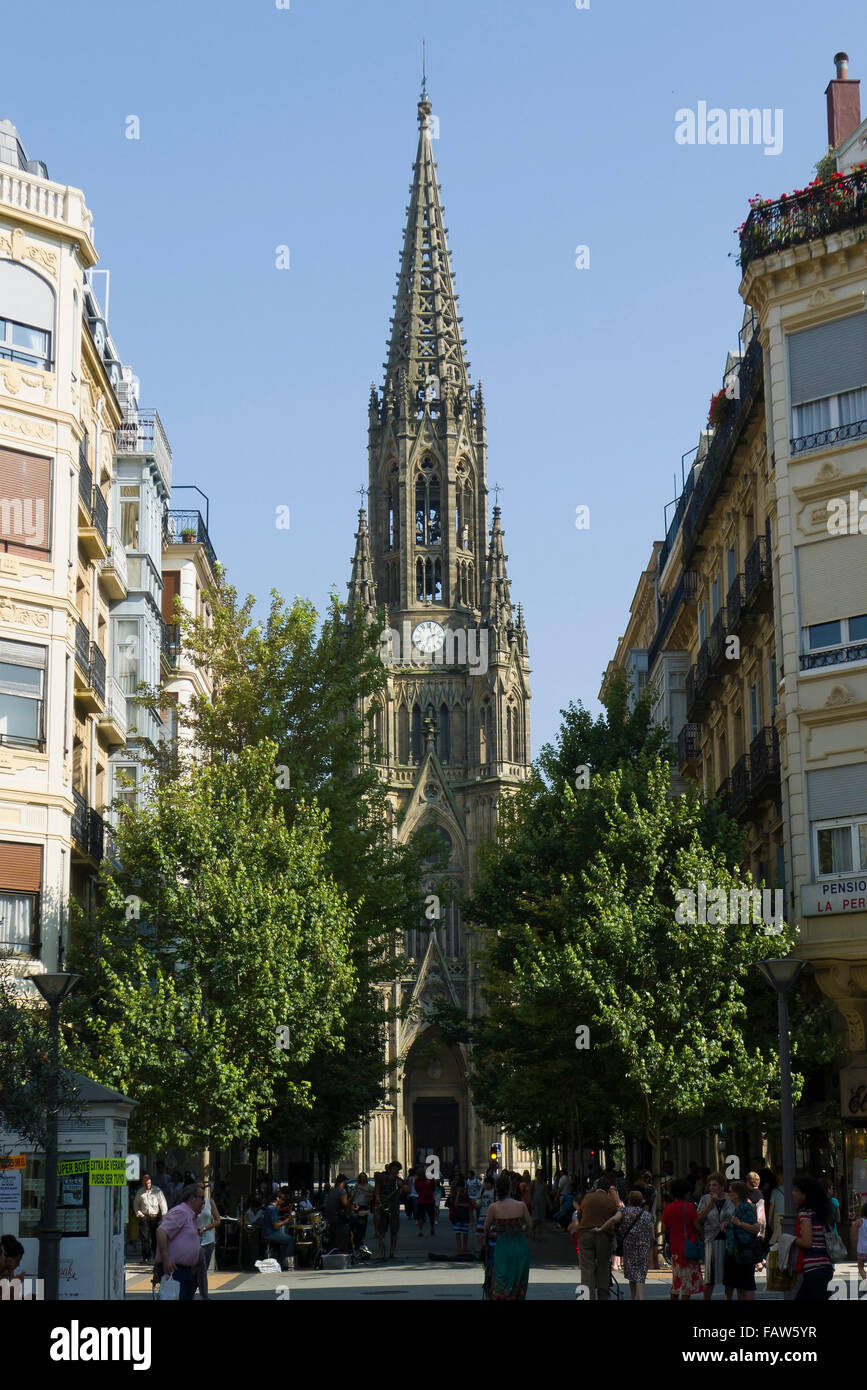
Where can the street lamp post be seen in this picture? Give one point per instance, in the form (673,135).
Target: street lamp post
(782,974)
(54,989)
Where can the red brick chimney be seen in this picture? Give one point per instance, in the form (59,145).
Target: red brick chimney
(844,103)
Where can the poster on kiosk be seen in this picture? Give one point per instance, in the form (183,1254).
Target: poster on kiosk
(91,1193)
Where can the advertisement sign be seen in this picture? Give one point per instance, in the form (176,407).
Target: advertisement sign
(103,1172)
(14,1161)
(853,1093)
(10,1190)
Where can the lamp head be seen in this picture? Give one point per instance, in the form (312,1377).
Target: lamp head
(55,988)
(781,973)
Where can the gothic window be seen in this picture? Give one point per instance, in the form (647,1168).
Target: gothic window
(509,734)
(416,733)
(374,716)
(471,585)
(427,506)
(486,742)
(419,579)
(403,734)
(443,743)
(392,521)
(459,735)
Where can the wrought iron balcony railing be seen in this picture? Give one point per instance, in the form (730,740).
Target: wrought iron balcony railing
(99,510)
(757,569)
(85,480)
(837,656)
(170,641)
(145,435)
(97,670)
(717,640)
(188,528)
(95,835)
(79,820)
(735,603)
(82,647)
(723,795)
(740,785)
(689,744)
(764,761)
(792,221)
(822,438)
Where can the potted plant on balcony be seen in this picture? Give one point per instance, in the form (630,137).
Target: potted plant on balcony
(188,535)
(719,404)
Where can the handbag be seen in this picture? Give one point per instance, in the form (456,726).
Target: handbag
(779,1279)
(692,1249)
(169,1288)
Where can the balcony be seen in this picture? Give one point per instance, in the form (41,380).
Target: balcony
(689,745)
(835,206)
(837,656)
(112,723)
(757,574)
(822,438)
(735,604)
(88,831)
(89,672)
(739,787)
(723,796)
(717,641)
(112,569)
(145,435)
(100,515)
(696,683)
(92,517)
(188,528)
(170,643)
(85,485)
(765,766)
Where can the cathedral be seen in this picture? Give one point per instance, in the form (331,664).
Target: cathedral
(453,727)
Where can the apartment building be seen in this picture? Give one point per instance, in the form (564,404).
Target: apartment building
(760,586)
(58,414)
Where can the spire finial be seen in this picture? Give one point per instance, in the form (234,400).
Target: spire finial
(424,70)
(362,492)
(496,490)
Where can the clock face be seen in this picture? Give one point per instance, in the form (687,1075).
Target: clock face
(428,636)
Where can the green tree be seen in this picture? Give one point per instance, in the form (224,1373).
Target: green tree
(222,925)
(30,1082)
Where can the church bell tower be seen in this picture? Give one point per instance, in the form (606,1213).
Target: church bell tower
(453,728)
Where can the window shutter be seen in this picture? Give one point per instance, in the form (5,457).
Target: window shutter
(25,503)
(20,868)
(832,579)
(837,792)
(171,591)
(829,359)
(23,654)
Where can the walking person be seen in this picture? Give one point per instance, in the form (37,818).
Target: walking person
(380,1215)
(461,1216)
(511,1272)
(684,1241)
(634,1236)
(743,1252)
(150,1206)
(178,1241)
(424,1191)
(859,1235)
(593,1212)
(714,1209)
(209,1220)
(392,1190)
(486,1196)
(813,1211)
(539,1203)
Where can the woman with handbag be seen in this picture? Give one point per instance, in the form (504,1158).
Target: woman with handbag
(713,1209)
(687,1247)
(813,1211)
(743,1249)
(633,1240)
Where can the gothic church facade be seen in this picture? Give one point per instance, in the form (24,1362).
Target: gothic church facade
(453,728)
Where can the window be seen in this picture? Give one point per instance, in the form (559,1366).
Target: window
(828,375)
(20,886)
(772,685)
(714,597)
(126,637)
(126,784)
(841,847)
(731,566)
(755,710)
(25,510)
(73,1197)
(837,633)
(21,343)
(22,694)
(427,506)
(702,624)
(129,516)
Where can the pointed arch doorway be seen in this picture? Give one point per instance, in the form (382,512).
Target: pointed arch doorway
(435,1101)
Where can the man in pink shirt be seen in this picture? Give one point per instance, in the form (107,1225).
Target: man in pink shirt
(178,1241)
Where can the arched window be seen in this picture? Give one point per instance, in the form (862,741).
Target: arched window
(27,321)
(509,734)
(486,742)
(443,747)
(416,733)
(403,734)
(459,735)
(392,539)
(427,506)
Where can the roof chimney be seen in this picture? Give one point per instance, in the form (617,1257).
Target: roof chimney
(844,103)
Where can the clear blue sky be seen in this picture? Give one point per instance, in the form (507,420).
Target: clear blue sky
(262,127)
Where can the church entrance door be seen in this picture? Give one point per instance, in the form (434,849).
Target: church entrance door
(436,1130)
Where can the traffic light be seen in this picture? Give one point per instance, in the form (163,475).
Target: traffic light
(494,1154)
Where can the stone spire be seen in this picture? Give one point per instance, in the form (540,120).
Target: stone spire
(361,586)
(496,597)
(425,337)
